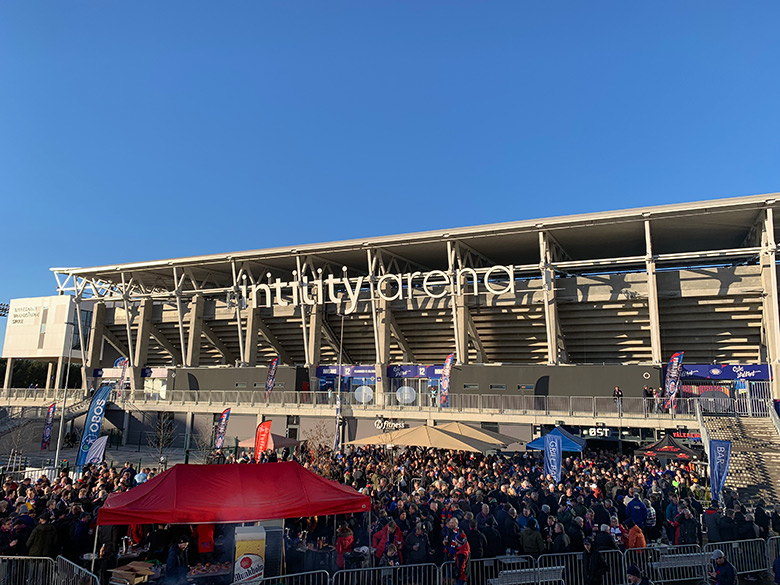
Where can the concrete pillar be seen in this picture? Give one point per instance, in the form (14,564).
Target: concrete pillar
(125,427)
(252,331)
(49,378)
(95,344)
(141,343)
(188,430)
(652,298)
(9,371)
(196,329)
(314,339)
(462,329)
(59,380)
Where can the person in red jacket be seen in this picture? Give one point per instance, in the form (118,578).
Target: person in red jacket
(388,535)
(345,540)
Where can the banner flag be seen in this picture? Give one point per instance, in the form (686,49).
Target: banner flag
(553,456)
(95,414)
(720,455)
(444,385)
(97,450)
(262,436)
(221,429)
(672,382)
(269,381)
(47,426)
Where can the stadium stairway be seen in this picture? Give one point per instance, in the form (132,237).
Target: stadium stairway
(32,415)
(754,470)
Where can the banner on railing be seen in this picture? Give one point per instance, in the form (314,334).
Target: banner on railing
(95,414)
(262,435)
(271,378)
(444,385)
(553,453)
(47,426)
(219,440)
(672,382)
(720,456)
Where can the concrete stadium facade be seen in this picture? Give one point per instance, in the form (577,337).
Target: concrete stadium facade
(563,306)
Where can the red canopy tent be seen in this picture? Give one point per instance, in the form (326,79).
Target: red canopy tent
(218,494)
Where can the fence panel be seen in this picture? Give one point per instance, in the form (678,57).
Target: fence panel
(772,551)
(669,564)
(568,568)
(480,570)
(26,571)
(616,572)
(747,556)
(69,573)
(311,578)
(427,574)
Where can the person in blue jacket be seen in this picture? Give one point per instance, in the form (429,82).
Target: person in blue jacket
(636,510)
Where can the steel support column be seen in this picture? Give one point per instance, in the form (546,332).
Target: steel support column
(550,306)
(95,347)
(652,297)
(315,345)
(771,318)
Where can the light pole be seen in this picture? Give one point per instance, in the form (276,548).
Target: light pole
(65,392)
(338,390)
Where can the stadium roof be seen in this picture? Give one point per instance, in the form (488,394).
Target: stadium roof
(679,232)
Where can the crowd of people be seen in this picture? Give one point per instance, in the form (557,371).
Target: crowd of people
(428,506)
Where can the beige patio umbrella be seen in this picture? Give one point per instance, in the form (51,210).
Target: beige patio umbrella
(430,437)
(460,428)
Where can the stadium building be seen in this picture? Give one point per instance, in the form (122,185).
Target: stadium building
(543,319)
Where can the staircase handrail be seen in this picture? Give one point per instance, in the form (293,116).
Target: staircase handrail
(773,415)
(705,437)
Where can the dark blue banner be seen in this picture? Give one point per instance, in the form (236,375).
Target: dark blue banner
(553,456)
(444,385)
(47,427)
(222,429)
(727,372)
(94,421)
(271,378)
(672,382)
(720,454)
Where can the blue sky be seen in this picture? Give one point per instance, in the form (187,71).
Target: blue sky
(145,130)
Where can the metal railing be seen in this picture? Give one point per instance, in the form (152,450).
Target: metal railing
(773,415)
(586,406)
(26,570)
(69,573)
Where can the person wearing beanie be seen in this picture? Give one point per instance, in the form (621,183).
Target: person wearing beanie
(594,564)
(635,576)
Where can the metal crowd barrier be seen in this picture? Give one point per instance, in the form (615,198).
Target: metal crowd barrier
(670,564)
(311,578)
(662,564)
(772,551)
(69,573)
(26,571)
(427,574)
(747,556)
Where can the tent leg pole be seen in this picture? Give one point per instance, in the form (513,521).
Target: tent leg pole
(94,551)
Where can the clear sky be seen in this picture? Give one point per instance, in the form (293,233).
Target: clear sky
(144,130)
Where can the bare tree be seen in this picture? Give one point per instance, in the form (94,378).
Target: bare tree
(163,434)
